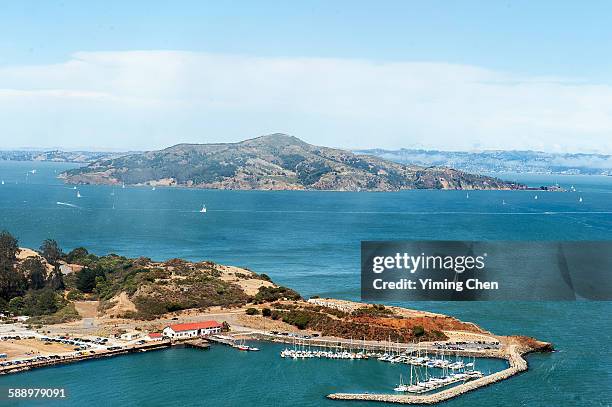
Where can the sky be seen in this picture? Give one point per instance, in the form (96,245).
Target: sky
(464,75)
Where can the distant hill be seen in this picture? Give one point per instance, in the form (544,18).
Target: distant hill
(502,161)
(273,162)
(58,155)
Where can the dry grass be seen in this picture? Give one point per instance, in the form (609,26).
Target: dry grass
(28,347)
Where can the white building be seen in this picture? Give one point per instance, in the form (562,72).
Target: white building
(154,337)
(192,329)
(129,336)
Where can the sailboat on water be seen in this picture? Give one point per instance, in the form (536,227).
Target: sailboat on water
(79,194)
(244,347)
(535,197)
(401,386)
(580,200)
(203,210)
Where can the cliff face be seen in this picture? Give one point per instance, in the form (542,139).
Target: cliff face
(274,162)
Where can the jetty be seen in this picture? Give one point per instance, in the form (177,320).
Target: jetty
(202,344)
(516,362)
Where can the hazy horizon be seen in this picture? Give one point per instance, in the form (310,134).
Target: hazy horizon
(118,150)
(467,76)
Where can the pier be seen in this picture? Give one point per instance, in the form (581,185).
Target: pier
(72,358)
(197,344)
(516,361)
(376,346)
(223,340)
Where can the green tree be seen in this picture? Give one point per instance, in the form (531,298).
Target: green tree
(86,279)
(41,302)
(77,254)
(8,249)
(56,280)
(12,282)
(252,311)
(16,305)
(35,271)
(51,251)
(266,312)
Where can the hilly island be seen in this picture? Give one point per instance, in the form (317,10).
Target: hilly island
(273,162)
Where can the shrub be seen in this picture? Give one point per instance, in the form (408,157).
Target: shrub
(266,312)
(271,294)
(66,314)
(74,295)
(252,311)
(418,330)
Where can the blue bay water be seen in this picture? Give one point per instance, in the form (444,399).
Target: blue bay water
(310,241)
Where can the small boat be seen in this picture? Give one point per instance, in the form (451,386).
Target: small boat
(74,187)
(535,197)
(2,182)
(203,210)
(244,347)
(78,194)
(153,189)
(503,202)
(401,387)
(123,186)
(580,200)
(32,172)
(467,195)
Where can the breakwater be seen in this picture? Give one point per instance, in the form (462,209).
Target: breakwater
(516,361)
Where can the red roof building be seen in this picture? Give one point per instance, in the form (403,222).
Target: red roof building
(192,329)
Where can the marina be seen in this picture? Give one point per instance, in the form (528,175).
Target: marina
(422,376)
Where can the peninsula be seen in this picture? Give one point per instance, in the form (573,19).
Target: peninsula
(62,308)
(273,162)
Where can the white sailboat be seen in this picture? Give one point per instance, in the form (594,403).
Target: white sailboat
(580,200)
(153,189)
(2,182)
(78,194)
(203,210)
(467,195)
(401,387)
(503,202)
(535,197)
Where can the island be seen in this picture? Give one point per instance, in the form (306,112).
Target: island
(274,162)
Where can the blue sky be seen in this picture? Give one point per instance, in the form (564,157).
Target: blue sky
(542,72)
